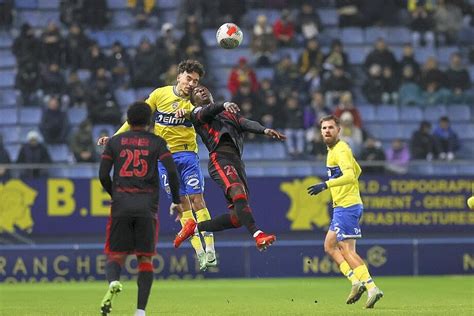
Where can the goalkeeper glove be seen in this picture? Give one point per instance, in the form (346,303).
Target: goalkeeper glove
(317,188)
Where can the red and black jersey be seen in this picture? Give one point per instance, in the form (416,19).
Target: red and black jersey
(134,156)
(212,122)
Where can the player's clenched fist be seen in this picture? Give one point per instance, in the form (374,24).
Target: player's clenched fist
(274,134)
(103,141)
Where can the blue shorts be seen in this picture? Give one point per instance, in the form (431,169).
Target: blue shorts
(191,180)
(345,222)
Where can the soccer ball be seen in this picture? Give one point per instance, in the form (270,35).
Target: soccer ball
(229,36)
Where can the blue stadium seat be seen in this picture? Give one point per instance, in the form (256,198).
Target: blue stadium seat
(357,54)
(8,116)
(77,115)
(11,135)
(24,130)
(48,4)
(425,169)
(294,53)
(277,171)
(301,171)
(99,37)
(274,151)
(125,97)
(464,130)
(30,116)
(221,76)
(410,113)
(459,112)
(467,150)
(367,112)
(432,113)
(445,169)
(13,150)
(255,171)
(138,35)
(168,4)
(265,73)
(422,54)
(84,75)
(373,33)
(253,151)
(59,153)
(387,113)
(6,40)
(123,37)
(407,129)
(117,4)
(8,98)
(123,19)
(470,69)
(224,93)
(96,130)
(466,169)
(209,36)
(143,93)
(7,79)
(249,19)
(398,35)
(26,4)
(329,17)
(7,59)
(384,132)
(169,16)
(229,57)
(444,53)
(328,35)
(352,35)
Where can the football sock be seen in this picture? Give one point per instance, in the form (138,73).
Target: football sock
(216,224)
(195,239)
(362,274)
(203,215)
(347,271)
(139,312)
(112,270)
(244,213)
(144,282)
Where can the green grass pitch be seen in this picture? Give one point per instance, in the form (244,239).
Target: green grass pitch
(445,295)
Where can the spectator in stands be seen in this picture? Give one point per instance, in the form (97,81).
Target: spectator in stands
(102,106)
(6,13)
(309,22)
(408,59)
(271,113)
(346,104)
(349,13)
(54,125)
(315,145)
(422,24)
(316,110)
(284,30)
(381,55)
(142,10)
(52,45)
(293,126)
(95,58)
(391,85)
(167,47)
(311,57)
(52,80)
(379,12)
(447,139)
(458,79)
(94,13)
(192,43)
(336,57)
(335,85)
(266,87)
(82,144)
(145,71)
(169,77)
(410,92)
(263,42)
(119,65)
(398,157)
(32,152)
(448,20)
(70,12)
(27,81)
(231,10)
(311,81)
(423,145)
(76,90)
(4,159)
(373,87)
(286,77)
(26,46)
(245,94)
(372,152)
(75,43)
(350,133)
(242,73)
(434,82)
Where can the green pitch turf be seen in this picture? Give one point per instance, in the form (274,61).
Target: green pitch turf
(447,296)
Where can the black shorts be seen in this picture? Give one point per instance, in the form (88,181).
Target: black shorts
(131,235)
(227,170)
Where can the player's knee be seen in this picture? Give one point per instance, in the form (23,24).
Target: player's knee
(141,259)
(119,258)
(145,264)
(197,202)
(237,192)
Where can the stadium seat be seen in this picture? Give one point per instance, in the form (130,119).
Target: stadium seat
(464,130)
(8,116)
(459,112)
(26,4)
(6,40)
(387,113)
(143,93)
(253,151)
(97,129)
(470,69)
(373,33)
(123,19)
(274,151)
(7,79)
(249,19)
(466,35)
(277,171)
(358,54)
(253,171)
(13,151)
(300,171)
(169,16)
(117,4)
(294,53)
(24,130)
(432,113)
(367,112)
(77,115)
(8,98)
(30,116)
(224,93)
(11,135)
(59,153)
(230,58)
(424,169)
(7,59)
(410,113)
(84,74)
(125,97)
(466,169)
(407,129)
(328,35)
(422,54)
(383,132)
(329,17)
(138,35)
(398,35)
(467,150)
(352,35)
(264,73)
(445,169)
(124,38)
(48,4)
(221,76)
(168,4)
(444,53)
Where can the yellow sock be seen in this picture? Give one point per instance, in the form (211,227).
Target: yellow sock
(362,273)
(203,215)
(195,239)
(347,271)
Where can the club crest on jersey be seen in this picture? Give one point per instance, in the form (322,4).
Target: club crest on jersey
(175,105)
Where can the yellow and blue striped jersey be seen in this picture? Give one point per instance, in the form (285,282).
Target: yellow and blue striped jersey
(343,172)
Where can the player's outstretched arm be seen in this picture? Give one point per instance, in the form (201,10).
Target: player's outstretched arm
(274,134)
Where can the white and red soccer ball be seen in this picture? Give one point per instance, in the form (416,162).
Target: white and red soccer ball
(229,36)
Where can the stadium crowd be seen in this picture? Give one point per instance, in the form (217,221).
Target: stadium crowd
(64,66)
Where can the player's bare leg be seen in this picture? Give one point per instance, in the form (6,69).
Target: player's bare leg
(202,214)
(348,250)
(332,249)
(112,273)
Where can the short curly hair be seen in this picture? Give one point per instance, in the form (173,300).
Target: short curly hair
(190,66)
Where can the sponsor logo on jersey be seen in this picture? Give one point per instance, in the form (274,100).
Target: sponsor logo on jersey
(169,119)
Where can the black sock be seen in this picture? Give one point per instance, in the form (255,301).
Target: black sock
(144,282)
(244,214)
(112,271)
(217,224)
